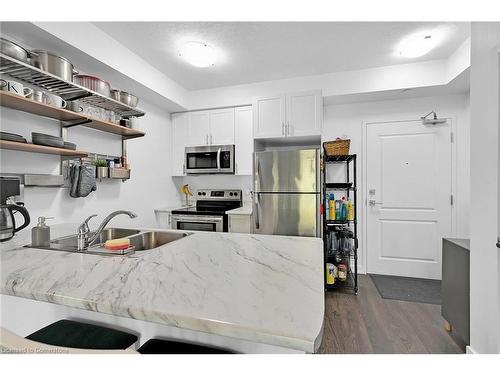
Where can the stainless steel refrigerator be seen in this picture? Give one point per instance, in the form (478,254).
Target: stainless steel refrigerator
(287,192)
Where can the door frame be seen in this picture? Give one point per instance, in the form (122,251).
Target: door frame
(364,191)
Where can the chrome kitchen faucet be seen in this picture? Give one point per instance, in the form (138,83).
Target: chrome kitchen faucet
(84,231)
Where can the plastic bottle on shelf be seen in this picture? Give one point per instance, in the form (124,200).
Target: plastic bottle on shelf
(343,209)
(327,207)
(350,210)
(331,206)
(338,210)
(330,273)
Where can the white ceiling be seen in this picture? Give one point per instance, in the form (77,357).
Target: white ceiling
(261,51)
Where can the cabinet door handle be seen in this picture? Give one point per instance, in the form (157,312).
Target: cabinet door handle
(289,129)
(373,202)
(183,168)
(282,128)
(210,138)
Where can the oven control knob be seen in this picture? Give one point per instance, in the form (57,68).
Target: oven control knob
(199,193)
(235,193)
(204,193)
(231,194)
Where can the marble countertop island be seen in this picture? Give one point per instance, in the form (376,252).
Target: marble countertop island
(264,289)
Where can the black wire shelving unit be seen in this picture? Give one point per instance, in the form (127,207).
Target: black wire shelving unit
(331,227)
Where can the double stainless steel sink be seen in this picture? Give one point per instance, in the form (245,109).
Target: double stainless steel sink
(139,240)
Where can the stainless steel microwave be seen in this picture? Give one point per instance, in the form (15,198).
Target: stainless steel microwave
(209,159)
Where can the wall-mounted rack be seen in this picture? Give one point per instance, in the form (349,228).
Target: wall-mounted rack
(113,173)
(67,90)
(67,118)
(30,147)
(31,179)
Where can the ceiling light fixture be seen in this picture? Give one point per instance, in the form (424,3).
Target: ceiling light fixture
(416,45)
(198,54)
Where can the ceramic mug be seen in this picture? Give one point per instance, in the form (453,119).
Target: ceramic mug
(75,107)
(15,87)
(55,100)
(38,96)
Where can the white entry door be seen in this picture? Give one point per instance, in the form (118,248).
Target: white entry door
(408,192)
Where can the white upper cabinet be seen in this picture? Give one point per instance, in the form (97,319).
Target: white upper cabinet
(199,128)
(304,113)
(180,136)
(212,127)
(243,140)
(288,115)
(269,117)
(221,126)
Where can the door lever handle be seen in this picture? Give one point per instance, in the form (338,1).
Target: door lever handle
(373,202)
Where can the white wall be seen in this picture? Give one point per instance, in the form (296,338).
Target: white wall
(243,183)
(150,185)
(485,173)
(347,119)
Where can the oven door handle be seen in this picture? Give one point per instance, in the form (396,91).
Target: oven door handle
(218,158)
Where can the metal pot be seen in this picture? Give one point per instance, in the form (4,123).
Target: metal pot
(52,63)
(102,172)
(115,94)
(93,83)
(14,50)
(129,99)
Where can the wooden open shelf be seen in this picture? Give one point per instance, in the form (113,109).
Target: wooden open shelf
(30,147)
(20,103)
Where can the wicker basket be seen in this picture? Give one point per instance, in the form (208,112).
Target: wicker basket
(337,147)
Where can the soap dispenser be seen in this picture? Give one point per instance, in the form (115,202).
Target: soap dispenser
(40,234)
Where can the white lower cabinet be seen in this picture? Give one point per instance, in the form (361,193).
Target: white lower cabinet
(240,223)
(243,140)
(163,219)
(180,136)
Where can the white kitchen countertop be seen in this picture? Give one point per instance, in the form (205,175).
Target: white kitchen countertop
(265,289)
(246,209)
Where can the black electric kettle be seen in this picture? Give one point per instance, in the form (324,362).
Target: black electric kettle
(10,187)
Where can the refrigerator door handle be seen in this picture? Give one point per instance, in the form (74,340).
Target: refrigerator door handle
(258,176)
(257,222)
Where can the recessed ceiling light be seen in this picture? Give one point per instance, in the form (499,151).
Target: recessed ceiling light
(198,54)
(416,45)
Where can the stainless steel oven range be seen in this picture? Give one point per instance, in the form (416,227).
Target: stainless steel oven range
(209,214)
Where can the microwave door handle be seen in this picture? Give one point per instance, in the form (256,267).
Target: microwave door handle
(218,158)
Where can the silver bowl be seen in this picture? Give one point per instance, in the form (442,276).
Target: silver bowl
(129,99)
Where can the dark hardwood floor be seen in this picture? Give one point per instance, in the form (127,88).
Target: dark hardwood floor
(367,323)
